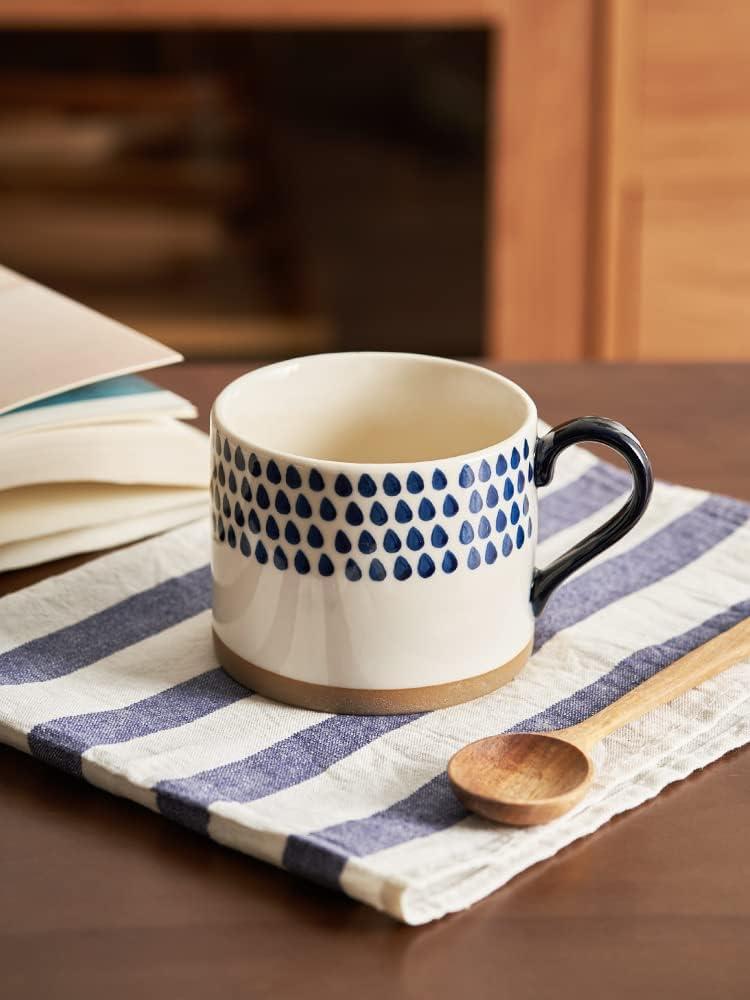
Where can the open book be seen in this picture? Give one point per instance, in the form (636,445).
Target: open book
(91,453)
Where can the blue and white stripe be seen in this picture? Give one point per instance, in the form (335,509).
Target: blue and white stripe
(108,673)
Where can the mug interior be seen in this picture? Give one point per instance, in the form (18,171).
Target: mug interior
(372,408)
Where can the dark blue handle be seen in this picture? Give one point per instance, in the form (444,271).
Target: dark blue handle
(614,435)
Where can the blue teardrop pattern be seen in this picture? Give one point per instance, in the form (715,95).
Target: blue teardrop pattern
(377,571)
(353,514)
(426,509)
(402,569)
(366,486)
(302,506)
(282,502)
(367,543)
(403,512)
(280,560)
(325,566)
(293,479)
(511,484)
(341,543)
(391,542)
(352,571)
(414,482)
(378,514)
(439,537)
(466,477)
(291,533)
(391,485)
(414,539)
(449,562)
(342,485)
(425,566)
(450,506)
(272,473)
(327,510)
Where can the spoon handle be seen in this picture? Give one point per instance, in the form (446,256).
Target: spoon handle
(689,671)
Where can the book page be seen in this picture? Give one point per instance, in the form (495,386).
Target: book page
(49,343)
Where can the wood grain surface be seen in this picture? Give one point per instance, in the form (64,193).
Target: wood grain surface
(102,898)
(671,145)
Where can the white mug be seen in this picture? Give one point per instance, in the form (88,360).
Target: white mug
(374,529)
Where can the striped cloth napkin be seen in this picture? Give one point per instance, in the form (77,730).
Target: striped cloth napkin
(108,672)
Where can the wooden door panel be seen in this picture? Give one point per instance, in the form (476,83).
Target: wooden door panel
(695,277)
(693,96)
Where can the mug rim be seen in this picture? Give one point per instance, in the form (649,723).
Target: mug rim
(218,418)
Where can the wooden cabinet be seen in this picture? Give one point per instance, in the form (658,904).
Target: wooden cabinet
(672,244)
(618,169)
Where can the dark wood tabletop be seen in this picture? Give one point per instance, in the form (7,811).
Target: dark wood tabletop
(101,898)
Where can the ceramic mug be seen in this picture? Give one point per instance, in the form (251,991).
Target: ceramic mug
(374,527)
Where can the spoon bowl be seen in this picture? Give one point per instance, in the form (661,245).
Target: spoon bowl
(529,778)
(521,778)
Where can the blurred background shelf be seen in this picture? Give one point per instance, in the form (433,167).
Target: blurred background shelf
(225,194)
(549,180)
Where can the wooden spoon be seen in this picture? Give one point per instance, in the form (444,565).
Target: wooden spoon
(530,778)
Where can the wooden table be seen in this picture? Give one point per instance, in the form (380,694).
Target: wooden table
(101,898)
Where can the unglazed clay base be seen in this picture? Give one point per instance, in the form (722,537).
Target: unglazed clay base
(360,701)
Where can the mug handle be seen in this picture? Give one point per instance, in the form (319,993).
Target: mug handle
(548,447)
